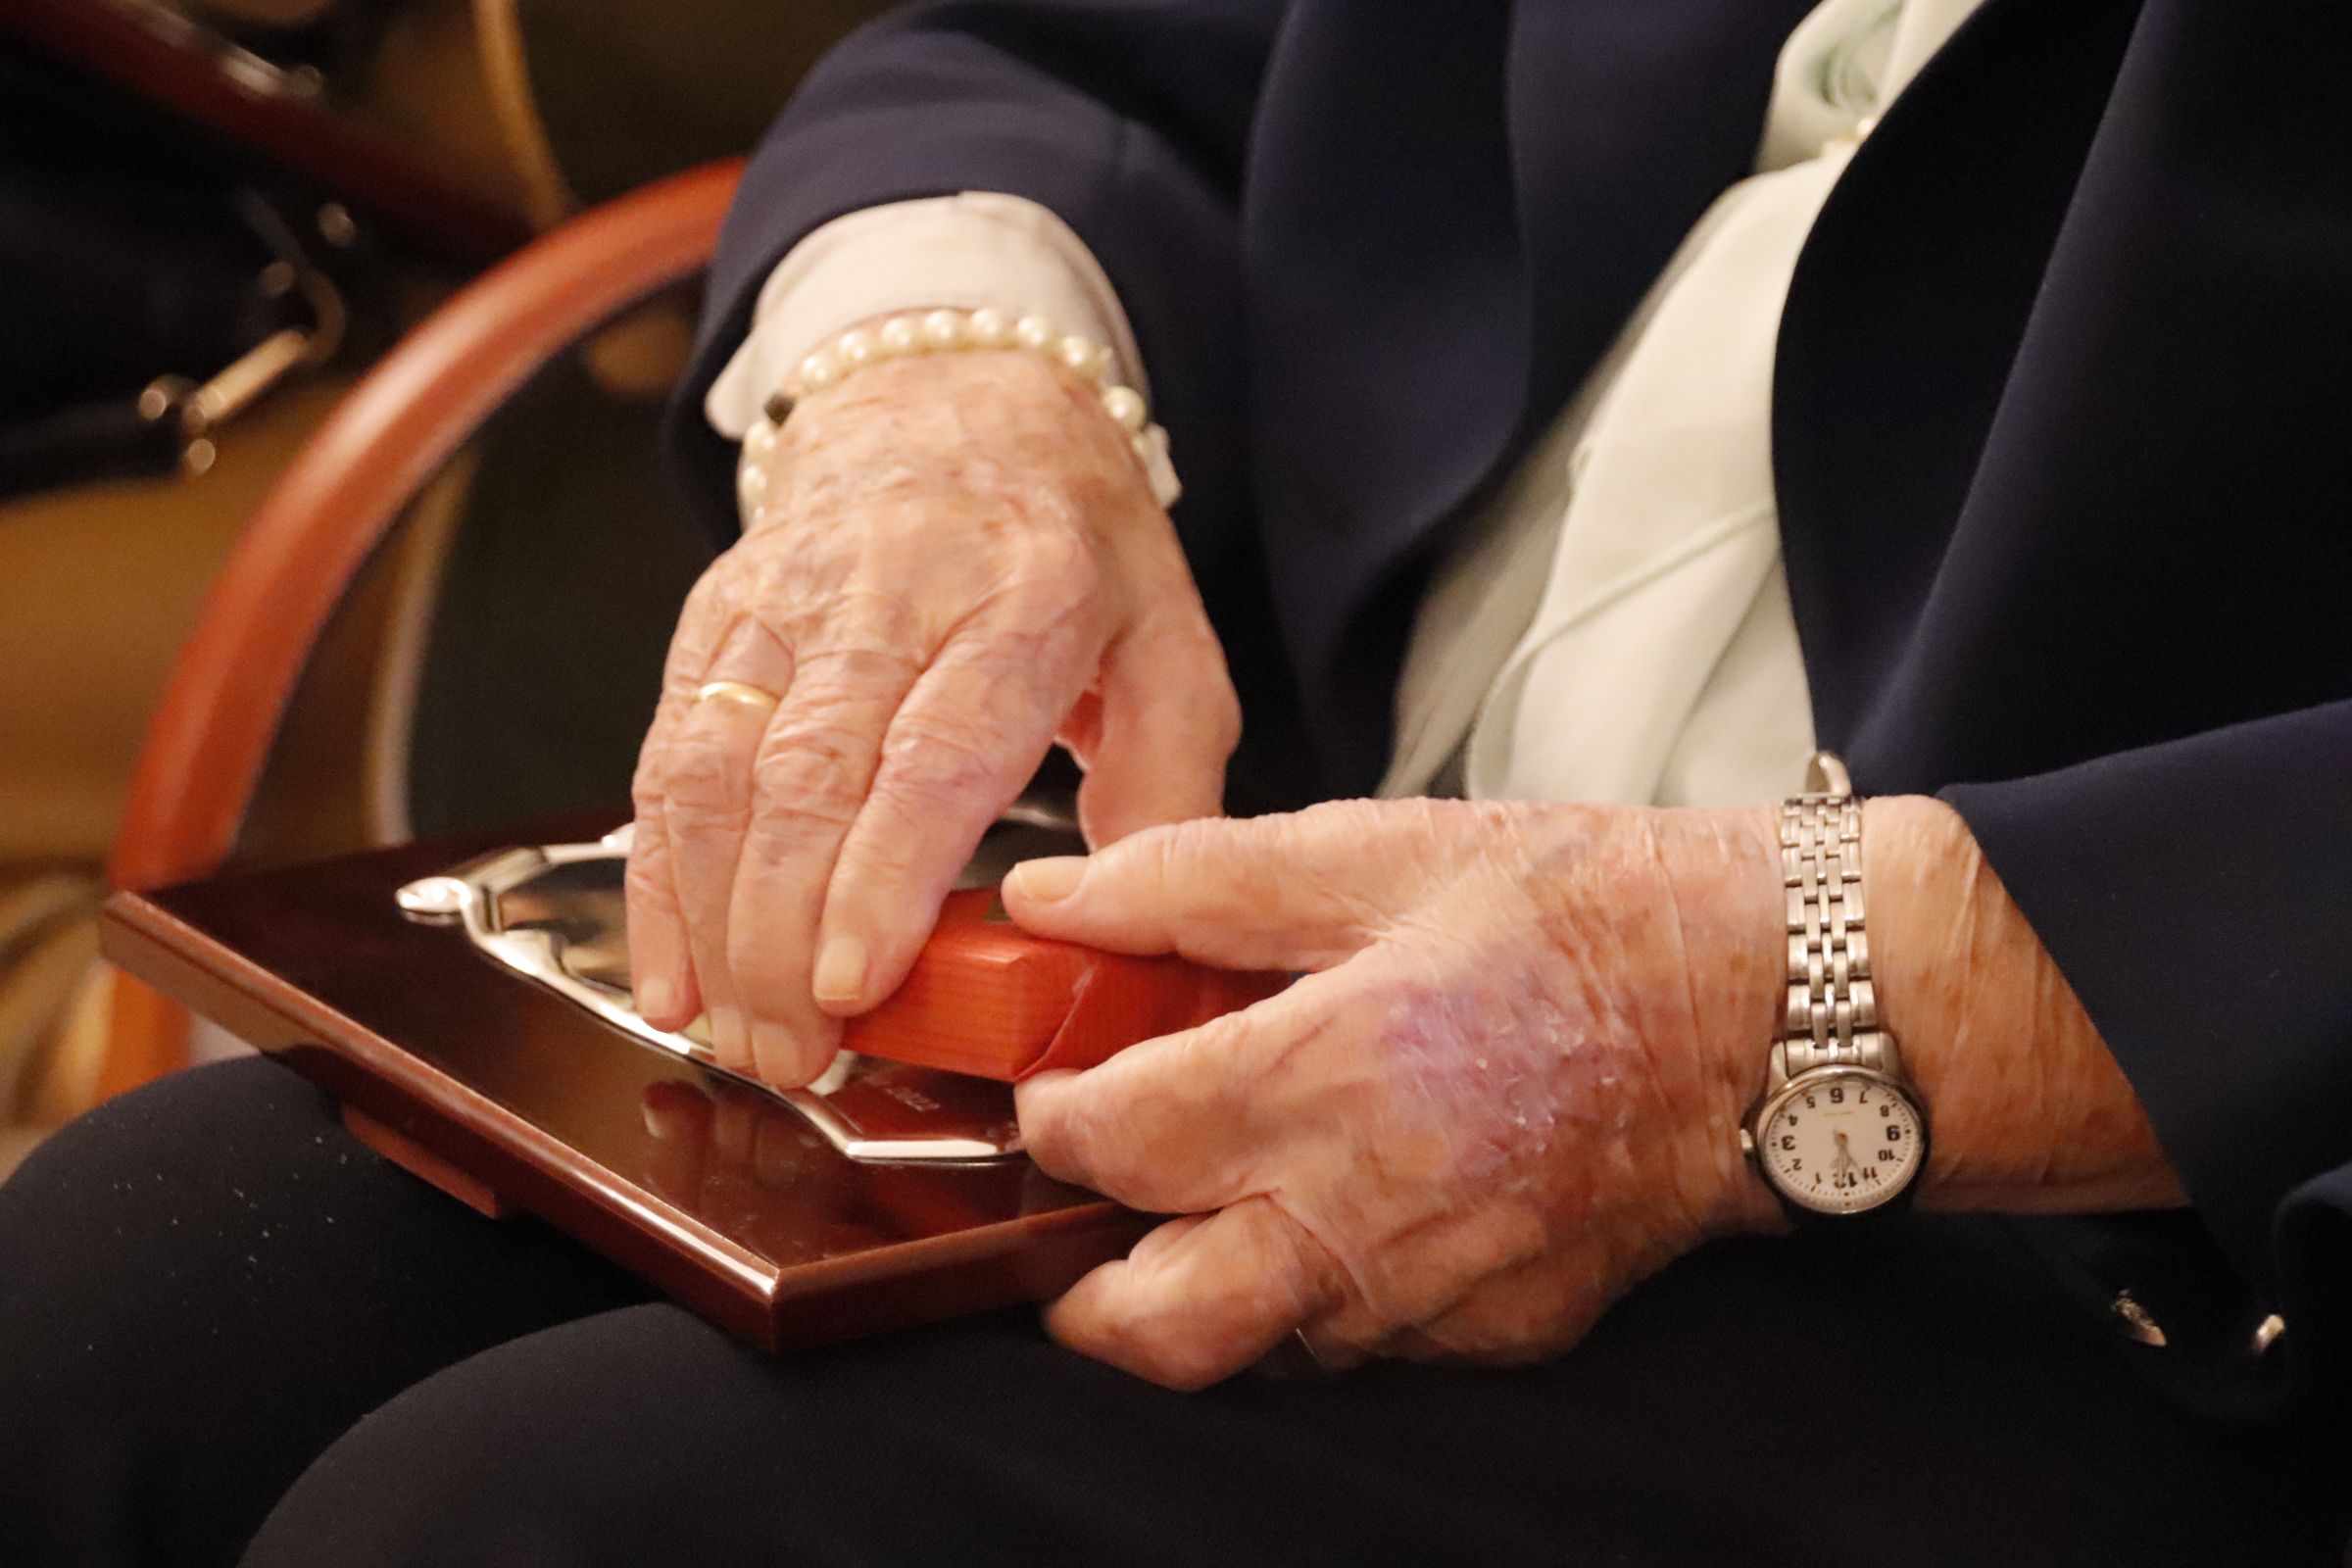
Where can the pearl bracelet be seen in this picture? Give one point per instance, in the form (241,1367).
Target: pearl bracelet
(947,331)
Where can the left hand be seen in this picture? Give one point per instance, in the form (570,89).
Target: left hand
(1509,1086)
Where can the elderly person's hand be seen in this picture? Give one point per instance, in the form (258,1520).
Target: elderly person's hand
(957,560)
(1512,1082)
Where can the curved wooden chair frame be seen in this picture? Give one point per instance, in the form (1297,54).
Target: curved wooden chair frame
(211,734)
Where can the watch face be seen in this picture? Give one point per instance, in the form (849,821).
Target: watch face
(1841,1142)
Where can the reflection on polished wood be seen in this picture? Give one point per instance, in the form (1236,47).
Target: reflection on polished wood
(711,1188)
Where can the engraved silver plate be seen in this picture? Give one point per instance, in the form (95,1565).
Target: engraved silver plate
(557,914)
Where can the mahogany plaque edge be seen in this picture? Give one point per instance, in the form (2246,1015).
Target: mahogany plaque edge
(774,1309)
(428,1106)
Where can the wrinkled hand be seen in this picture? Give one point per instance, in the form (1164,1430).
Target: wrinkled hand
(1509,1088)
(957,561)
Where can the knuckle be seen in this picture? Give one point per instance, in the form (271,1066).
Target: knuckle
(857,670)
(650,777)
(1229,1047)
(1351,823)
(1220,700)
(1330,816)
(934,763)
(1191,855)
(1109,1157)
(1224,717)
(1180,628)
(938,736)
(1061,1138)
(703,775)
(785,825)
(645,788)
(1157,857)
(1045,1135)
(1033,653)
(1054,556)
(646,881)
(876,625)
(1187,662)
(1194,642)
(1185,1362)
(811,776)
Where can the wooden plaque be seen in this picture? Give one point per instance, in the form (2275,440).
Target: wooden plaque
(506,1094)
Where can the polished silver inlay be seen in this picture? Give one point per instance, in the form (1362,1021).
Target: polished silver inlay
(434,898)
(557,916)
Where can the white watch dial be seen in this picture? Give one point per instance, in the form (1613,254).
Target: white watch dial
(1841,1144)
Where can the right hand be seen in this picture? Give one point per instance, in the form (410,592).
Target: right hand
(958,562)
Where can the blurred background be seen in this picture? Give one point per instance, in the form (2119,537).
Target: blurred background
(336,336)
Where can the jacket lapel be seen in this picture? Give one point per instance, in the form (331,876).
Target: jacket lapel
(1387,321)
(2062,462)
(1901,333)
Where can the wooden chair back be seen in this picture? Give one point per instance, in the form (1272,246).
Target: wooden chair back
(210,735)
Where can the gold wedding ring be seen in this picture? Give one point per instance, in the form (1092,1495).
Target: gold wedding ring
(736,691)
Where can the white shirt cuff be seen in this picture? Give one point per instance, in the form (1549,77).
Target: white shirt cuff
(958,252)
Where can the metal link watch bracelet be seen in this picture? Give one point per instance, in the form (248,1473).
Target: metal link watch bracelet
(1839,1128)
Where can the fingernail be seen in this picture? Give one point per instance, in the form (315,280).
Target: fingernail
(1049,880)
(730,1039)
(840,975)
(1035,1089)
(658,998)
(782,1059)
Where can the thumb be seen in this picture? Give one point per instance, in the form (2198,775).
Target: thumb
(1165,722)
(1263,892)
(1199,1299)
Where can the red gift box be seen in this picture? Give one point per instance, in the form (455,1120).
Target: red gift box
(988,998)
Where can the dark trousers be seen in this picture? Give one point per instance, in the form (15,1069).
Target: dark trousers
(225,1328)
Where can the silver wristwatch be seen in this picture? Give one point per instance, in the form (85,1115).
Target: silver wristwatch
(1840,1129)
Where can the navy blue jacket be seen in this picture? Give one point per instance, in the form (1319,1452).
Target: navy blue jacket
(2062,435)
